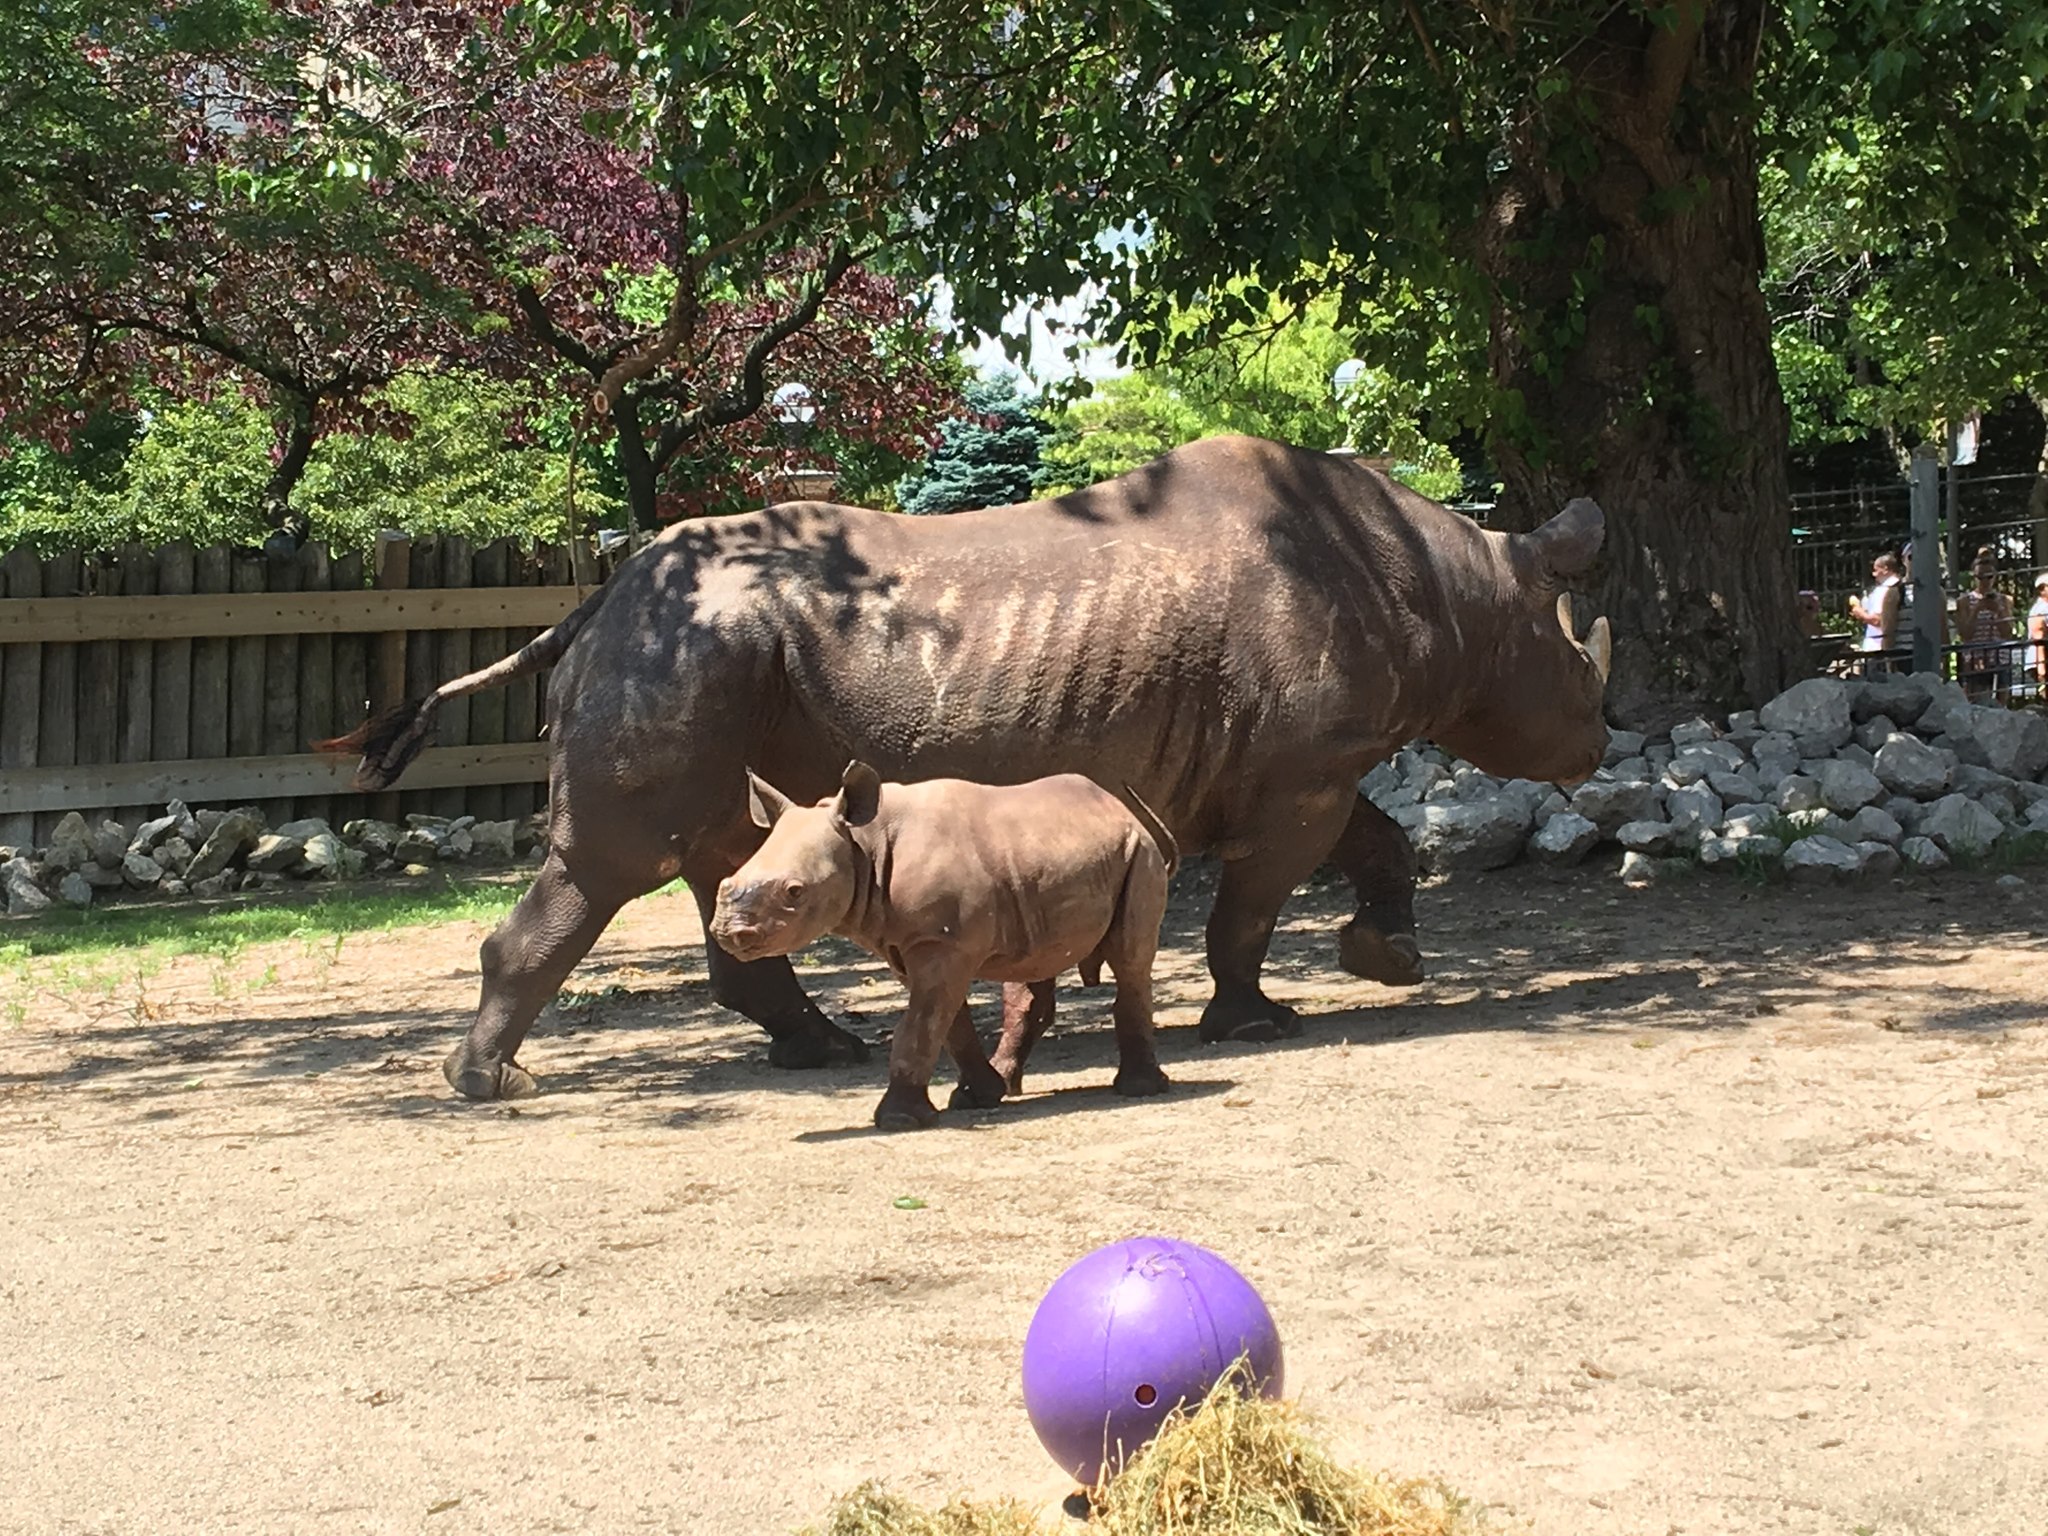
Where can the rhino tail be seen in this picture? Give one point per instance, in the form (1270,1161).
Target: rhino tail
(391,738)
(1148,818)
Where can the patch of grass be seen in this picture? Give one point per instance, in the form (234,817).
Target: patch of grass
(2019,850)
(147,936)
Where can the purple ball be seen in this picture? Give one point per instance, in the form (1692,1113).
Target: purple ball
(1129,1333)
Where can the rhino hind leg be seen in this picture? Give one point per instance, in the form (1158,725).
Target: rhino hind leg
(1249,895)
(767,991)
(1375,855)
(1129,948)
(981,1086)
(1027,1014)
(525,961)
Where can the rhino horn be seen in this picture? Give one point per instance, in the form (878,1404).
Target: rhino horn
(1600,647)
(1566,544)
(765,803)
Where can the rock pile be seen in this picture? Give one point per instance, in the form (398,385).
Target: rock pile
(1832,780)
(209,853)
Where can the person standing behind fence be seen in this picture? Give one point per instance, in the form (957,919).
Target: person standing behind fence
(1984,625)
(1878,609)
(2037,631)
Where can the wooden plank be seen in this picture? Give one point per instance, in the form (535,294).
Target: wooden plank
(77,619)
(491,566)
(58,743)
(99,677)
(422,658)
(170,724)
(315,718)
(245,667)
(280,675)
(241,780)
(521,695)
(453,646)
(212,572)
(135,726)
(351,679)
(393,556)
(21,693)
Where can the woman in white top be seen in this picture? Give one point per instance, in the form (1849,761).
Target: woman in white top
(1878,609)
(2037,630)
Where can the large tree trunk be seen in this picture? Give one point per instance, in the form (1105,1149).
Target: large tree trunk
(635,467)
(295,438)
(1627,258)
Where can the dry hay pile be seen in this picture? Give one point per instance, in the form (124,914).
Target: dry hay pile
(1236,1466)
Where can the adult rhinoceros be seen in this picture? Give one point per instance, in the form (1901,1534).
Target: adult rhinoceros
(1236,631)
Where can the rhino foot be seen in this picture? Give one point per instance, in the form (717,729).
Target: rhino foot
(1392,959)
(1141,1082)
(485,1081)
(978,1092)
(904,1108)
(1252,1017)
(816,1047)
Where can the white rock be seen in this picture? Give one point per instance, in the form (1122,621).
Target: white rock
(1644,869)
(141,871)
(1880,860)
(1695,810)
(1632,770)
(75,890)
(1846,787)
(1736,850)
(1384,779)
(1923,853)
(1959,824)
(274,853)
(1907,766)
(1873,825)
(1650,836)
(2037,816)
(1742,720)
(1756,823)
(70,842)
(1822,861)
(1565,839)
(1608,803)
(1817,708)
(310,826)
(2012,885)
(2014,742)
(24,896)
(1899,698)
(1690,731)
(1457,834)
(1797,793)
(1555,803)
(1818,823)
(1875,732)
(1686,769)
(494,839)
(1623,744)
(1994,791)
(1735,788)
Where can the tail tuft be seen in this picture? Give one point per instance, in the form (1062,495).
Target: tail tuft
(388,741)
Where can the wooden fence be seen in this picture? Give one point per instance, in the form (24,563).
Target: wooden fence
(131,678)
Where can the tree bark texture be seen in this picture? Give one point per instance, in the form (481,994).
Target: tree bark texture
(1626,256)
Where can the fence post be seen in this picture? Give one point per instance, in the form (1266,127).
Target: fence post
(1930,605)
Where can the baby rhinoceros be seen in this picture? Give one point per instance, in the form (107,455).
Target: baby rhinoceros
(953,882)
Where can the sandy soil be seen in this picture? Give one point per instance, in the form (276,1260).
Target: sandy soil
(1703,1209)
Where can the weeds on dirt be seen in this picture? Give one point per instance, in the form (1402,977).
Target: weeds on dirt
(1235,1466)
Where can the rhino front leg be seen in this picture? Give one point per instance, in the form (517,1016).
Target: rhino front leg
(938,995)
(525,961)
(767,992)
(1249,894)
(1379,861)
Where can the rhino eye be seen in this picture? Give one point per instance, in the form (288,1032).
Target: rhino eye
(793,892)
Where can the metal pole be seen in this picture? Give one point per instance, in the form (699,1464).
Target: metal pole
(1950,519)
(1929,604)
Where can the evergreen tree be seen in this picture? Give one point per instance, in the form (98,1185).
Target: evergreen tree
(988,457)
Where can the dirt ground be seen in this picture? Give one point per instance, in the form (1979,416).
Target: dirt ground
(1700,1209)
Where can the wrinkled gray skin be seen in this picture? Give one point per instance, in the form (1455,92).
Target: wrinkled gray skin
(952,882)
(1236,631)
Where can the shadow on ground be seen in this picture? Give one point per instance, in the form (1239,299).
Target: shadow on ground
(1522,950)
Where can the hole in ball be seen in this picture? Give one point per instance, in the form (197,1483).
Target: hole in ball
(1147,1394)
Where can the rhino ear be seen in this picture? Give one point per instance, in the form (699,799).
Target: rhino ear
(860,794)
(1566,544)
(765,803)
